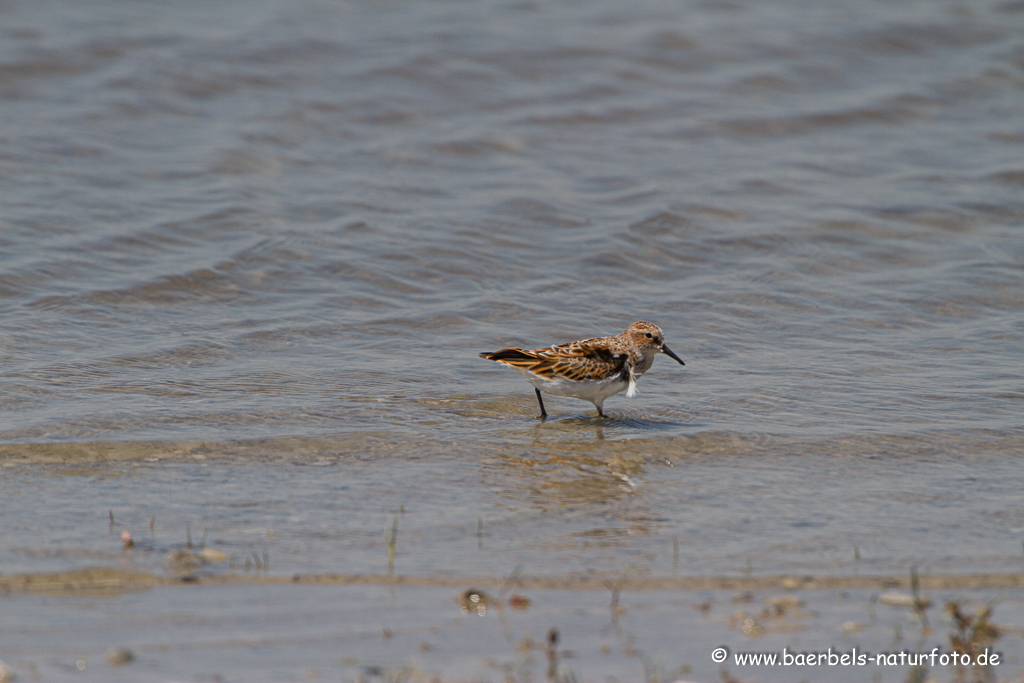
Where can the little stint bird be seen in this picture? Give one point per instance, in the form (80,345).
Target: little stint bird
(591,369)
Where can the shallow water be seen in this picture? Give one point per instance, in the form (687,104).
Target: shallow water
(249,253)
(412,633)
(668,506)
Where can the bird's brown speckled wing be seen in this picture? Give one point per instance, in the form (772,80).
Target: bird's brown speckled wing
(586,360)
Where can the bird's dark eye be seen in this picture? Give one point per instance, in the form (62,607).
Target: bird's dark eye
(649,335)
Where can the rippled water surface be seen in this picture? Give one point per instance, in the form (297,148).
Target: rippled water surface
(249,252)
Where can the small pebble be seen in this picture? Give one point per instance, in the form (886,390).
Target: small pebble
(783,603)
(851,626)
(213,555)
(119,656)
(894,599)
(519,601)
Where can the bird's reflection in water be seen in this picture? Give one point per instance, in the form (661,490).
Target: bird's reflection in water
(592,498)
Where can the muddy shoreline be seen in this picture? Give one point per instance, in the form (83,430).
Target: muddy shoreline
(98,581)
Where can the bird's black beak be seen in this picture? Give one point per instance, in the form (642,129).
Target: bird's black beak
(666,350)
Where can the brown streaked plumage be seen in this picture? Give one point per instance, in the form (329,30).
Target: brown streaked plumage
(591,369)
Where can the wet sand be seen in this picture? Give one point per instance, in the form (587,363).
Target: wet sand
(110,581)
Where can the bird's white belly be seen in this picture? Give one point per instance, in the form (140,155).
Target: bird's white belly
(595,391)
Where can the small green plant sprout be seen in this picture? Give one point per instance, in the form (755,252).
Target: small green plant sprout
(920,604)
(391,539)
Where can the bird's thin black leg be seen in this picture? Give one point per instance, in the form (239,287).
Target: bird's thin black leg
(543,413)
